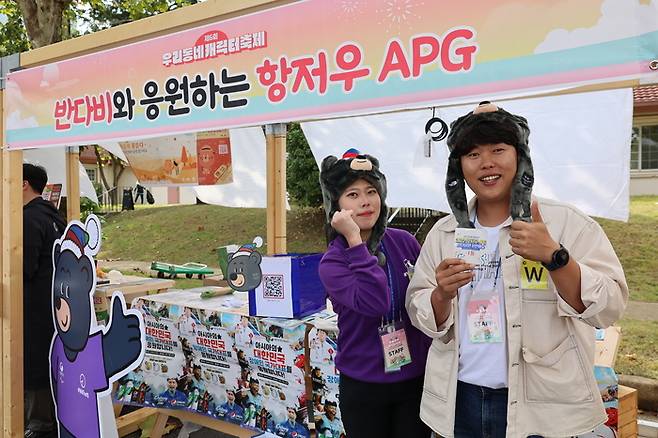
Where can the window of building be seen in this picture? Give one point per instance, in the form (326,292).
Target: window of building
(91,173)
(644,147)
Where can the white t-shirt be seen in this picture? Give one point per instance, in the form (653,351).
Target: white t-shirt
(484,363)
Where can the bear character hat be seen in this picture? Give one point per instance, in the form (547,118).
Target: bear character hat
(465,134)
(336,175)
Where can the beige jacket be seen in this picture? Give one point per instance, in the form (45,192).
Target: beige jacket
(552,389)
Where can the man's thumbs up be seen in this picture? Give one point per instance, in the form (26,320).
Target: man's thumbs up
(532,241)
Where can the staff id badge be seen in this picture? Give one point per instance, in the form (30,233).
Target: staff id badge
(484,319)
(396,349)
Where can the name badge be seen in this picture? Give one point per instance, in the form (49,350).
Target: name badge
(533,275)
(484,319)
(396,349)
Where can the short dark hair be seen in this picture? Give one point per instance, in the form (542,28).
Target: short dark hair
(36,177)
(487,132)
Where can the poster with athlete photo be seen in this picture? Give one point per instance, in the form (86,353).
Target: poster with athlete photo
(156,381)
(271,388)
(211,360)
(324,377)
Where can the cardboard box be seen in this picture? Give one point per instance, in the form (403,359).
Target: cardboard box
(607,344)
(627,412)
(290,287)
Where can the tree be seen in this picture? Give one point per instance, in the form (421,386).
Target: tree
(13,38)
(302,176)
(32,24)
(43,20)
(106,159)
(103,14)
(36,23)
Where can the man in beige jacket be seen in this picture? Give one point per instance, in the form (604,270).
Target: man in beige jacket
(510,291)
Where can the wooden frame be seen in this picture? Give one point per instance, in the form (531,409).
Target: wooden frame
(11,256)
(11,303)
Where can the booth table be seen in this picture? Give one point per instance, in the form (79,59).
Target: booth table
(136,286)
(202,351)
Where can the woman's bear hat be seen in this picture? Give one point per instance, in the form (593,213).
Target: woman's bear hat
(337,174)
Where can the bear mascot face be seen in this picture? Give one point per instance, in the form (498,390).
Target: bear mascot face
(244,271)
(72,287)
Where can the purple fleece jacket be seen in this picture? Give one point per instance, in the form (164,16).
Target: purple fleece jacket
(359,291)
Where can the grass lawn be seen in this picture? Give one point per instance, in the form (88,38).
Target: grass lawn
(192,233)
(638,351)
(635,243)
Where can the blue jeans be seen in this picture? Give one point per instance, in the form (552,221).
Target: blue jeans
(480,412)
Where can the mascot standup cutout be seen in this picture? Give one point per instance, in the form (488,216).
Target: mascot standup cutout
(84,358)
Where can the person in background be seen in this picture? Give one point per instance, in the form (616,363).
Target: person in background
(513,330)
(42,225)
(139,193)
(381,356)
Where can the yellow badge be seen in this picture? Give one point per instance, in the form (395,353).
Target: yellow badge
(533,275)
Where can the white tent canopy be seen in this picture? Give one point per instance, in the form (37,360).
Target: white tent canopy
(579,143)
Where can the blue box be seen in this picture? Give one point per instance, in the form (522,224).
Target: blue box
(290,287)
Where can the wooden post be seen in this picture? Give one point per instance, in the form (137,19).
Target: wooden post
(270,186)
(12,293)
(275,138)
(73,183)
(2,368)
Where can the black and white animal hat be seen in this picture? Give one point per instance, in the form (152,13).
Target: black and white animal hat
(464,135)
(337,174)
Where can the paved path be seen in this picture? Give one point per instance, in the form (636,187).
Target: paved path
(642,311)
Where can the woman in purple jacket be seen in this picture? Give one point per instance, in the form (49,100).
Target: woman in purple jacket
(381,356)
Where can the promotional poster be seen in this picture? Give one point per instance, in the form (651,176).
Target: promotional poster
(202,158)
(189,361)
(324,380)
(202,358)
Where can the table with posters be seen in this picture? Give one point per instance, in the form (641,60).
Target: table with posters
(207,356)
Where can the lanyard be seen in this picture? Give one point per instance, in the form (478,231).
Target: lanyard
(390,316)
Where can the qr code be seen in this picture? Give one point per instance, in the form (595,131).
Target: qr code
(273,287)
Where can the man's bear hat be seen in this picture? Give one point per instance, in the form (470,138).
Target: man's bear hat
(489,124)
(337,174)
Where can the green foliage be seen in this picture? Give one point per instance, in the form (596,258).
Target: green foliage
(98,188)
(302,176)
(13,38)
(87,207)
(103,14)
(80,17)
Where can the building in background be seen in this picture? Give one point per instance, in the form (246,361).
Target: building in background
(644,144)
